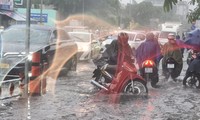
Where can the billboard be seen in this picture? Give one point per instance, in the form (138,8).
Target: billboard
(6,5)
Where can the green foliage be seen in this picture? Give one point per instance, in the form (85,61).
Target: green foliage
(192,15)
(105,9)
(168,4)
(143,12)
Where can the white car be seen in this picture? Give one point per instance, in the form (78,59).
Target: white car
(88,46)
(136,38)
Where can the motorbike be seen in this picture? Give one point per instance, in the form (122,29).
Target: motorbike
(192,77)
(126,81)
(170,67)
(192,80)
(149,72)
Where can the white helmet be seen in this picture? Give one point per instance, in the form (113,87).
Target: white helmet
(171,36)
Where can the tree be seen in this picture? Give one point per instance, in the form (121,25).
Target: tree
(107,10)
(192,15)
(144,12)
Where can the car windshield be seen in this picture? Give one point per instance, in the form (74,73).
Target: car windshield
(165,34)
(79,37)
(36,36)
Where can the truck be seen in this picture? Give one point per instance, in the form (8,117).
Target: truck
(169,27)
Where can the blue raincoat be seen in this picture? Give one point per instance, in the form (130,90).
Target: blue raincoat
(149,49)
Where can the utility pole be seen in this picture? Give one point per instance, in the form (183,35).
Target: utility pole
(27,46)
(41,4)
(83,13)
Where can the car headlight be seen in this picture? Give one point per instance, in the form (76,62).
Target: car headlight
(30,57)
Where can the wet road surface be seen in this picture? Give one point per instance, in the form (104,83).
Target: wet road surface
(74,98)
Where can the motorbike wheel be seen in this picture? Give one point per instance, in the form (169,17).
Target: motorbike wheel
(192,81)
(135,87)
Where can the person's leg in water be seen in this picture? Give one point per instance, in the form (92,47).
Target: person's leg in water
(111,69)
(165,72)
(155,78)
(177,71)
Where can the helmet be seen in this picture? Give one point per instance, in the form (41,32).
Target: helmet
(171,36)
(177,36)
(150,36)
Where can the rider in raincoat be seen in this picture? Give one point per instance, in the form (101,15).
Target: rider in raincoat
(116,53)
(194,67)
(171,49)
(149,50)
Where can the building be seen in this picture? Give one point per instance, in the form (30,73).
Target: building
(8,15)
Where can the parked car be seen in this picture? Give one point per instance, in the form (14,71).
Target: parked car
(53,43)
(135,39)
(88,46)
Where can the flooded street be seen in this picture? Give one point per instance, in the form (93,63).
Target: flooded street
(74,98)
(43,39)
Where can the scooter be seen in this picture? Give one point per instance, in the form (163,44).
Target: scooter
(192,80)
(192,77)
(149,72)
(126,81)
(170,67)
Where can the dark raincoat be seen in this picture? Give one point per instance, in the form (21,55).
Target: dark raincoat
(111,53)
(117,54)
(195,66)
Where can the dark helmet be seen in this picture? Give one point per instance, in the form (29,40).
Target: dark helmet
(178,37)
(198,55)
(150,36)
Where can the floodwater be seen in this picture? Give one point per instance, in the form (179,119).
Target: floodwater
(74,98)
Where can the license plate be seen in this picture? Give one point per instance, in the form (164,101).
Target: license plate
(4,65)
(148,70)
(170,65)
